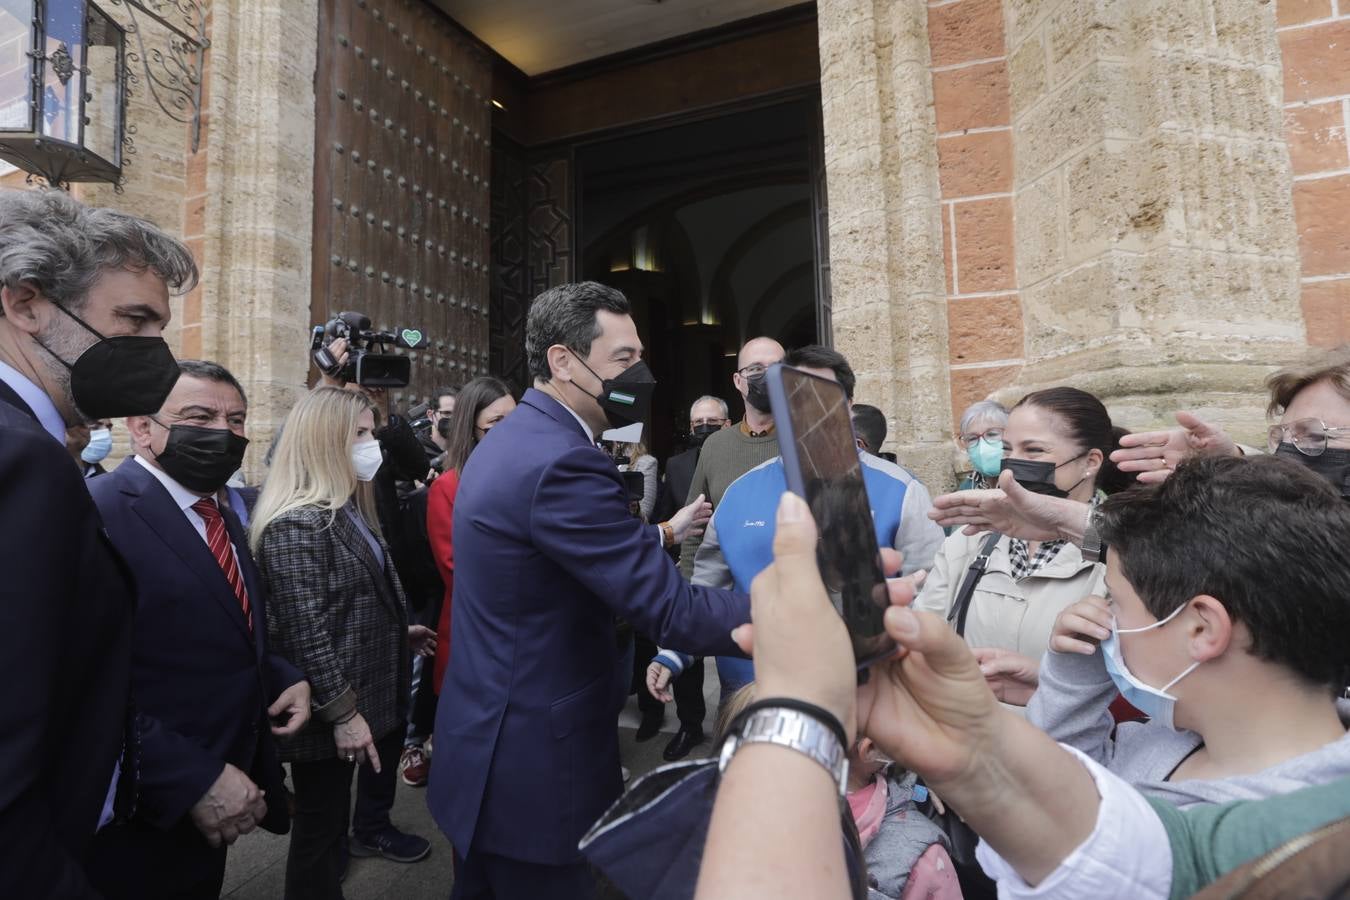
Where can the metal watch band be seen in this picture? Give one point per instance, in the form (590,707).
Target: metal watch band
(796,731)
(1093,548)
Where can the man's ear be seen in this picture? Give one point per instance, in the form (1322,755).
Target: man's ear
(1210,630)
(138,428)
(18,306)
(559,362)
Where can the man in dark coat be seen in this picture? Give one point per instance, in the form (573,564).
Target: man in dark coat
(84,295)
(527,753)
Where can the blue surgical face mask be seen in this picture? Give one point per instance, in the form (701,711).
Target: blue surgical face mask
(99,446)
(1156,703)
(986,456)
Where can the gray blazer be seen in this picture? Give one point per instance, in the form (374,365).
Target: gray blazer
(337,617)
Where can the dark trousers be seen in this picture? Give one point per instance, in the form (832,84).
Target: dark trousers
(139,862)
(319,827)
(689,703)
(487,876)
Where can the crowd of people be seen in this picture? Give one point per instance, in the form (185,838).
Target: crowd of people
(1121,667)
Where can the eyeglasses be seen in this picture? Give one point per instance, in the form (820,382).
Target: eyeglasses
(1310,436)
(754,370)
(990,434)
(698,423)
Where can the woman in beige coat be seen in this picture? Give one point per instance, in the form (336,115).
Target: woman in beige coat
(1058,441)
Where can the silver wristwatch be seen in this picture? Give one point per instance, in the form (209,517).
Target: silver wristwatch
(1093,548)
(795,730)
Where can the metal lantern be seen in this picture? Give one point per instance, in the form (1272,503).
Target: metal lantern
(62,90)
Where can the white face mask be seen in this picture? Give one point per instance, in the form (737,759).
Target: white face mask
(1154,702)
(366,459)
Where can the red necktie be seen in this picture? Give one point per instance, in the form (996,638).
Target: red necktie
(218,541)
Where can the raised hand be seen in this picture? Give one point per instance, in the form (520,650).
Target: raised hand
(1153,455)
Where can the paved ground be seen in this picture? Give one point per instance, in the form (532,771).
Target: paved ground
(257,864)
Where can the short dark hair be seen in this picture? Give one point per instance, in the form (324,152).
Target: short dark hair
(1089,426)
(209,371)
(566,314)
(870,423)
(818,356)
(460,434)
(1263,535)
(440,392)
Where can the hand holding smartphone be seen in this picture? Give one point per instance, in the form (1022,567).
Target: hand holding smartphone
(820,460)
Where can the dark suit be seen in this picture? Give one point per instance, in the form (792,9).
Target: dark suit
(65,660)
(679,476)
(527,753)
(202,684)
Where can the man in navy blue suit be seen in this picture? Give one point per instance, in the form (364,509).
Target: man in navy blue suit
(203,679)
(84,295)
(546,553)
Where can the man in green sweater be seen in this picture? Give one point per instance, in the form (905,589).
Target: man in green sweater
(731,452)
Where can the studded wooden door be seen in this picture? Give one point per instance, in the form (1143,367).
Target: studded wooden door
(401,197)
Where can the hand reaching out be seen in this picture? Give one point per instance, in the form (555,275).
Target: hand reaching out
(1153,455)
(692,519)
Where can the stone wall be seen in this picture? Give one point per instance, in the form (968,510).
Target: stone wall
(1116,200)
(1314,40)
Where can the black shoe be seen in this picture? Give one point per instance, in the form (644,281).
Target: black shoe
(391,844)
(650,726)
(685,739)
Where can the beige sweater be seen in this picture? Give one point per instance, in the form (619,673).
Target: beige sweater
(1006,613)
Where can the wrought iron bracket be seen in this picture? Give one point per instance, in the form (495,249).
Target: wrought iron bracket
(173,77)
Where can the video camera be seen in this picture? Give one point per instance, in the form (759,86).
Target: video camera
(367,362)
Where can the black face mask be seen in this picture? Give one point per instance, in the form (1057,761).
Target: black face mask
(700,434)
(118,376)
(757,394)
(626,398)
(201,459)
(1038,476)
(1332,464)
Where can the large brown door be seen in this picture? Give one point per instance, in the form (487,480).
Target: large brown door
(401,196)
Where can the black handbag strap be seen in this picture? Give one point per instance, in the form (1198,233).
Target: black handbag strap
(974,572)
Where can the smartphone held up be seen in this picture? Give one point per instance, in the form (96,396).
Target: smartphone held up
(821,463)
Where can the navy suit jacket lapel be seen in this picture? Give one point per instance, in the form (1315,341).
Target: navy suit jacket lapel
(11,396)
(156,508)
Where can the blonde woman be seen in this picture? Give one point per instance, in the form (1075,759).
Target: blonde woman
(337,612)
(639,460)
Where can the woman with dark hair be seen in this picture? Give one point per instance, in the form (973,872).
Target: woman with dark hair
(481,404)
(1059,442)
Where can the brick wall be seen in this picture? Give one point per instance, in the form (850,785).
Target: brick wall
(975,165)
(1315,43)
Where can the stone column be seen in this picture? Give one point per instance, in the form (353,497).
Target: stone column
(887,274)
(258,217)
(1156,250)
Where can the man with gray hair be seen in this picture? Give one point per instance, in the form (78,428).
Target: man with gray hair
(84,295)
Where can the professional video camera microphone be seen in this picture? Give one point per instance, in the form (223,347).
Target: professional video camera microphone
(367,363)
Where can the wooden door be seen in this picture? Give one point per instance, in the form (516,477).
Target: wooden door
(401,172)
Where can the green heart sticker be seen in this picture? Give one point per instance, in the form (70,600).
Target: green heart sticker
(412,337)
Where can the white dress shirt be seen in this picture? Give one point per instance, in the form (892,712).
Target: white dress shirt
(185,498)
(37,400)
(1127,856)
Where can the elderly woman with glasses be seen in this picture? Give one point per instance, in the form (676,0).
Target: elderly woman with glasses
(981,437)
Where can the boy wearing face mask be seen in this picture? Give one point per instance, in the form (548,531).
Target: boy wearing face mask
(1227,625)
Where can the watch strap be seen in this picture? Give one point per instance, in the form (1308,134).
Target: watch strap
(795,730)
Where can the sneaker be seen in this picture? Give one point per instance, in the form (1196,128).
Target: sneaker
(413,767)
(391,844)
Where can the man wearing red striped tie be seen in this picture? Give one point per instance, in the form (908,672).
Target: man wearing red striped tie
(208,694)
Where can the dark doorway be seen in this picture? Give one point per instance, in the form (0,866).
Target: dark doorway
(707,227)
